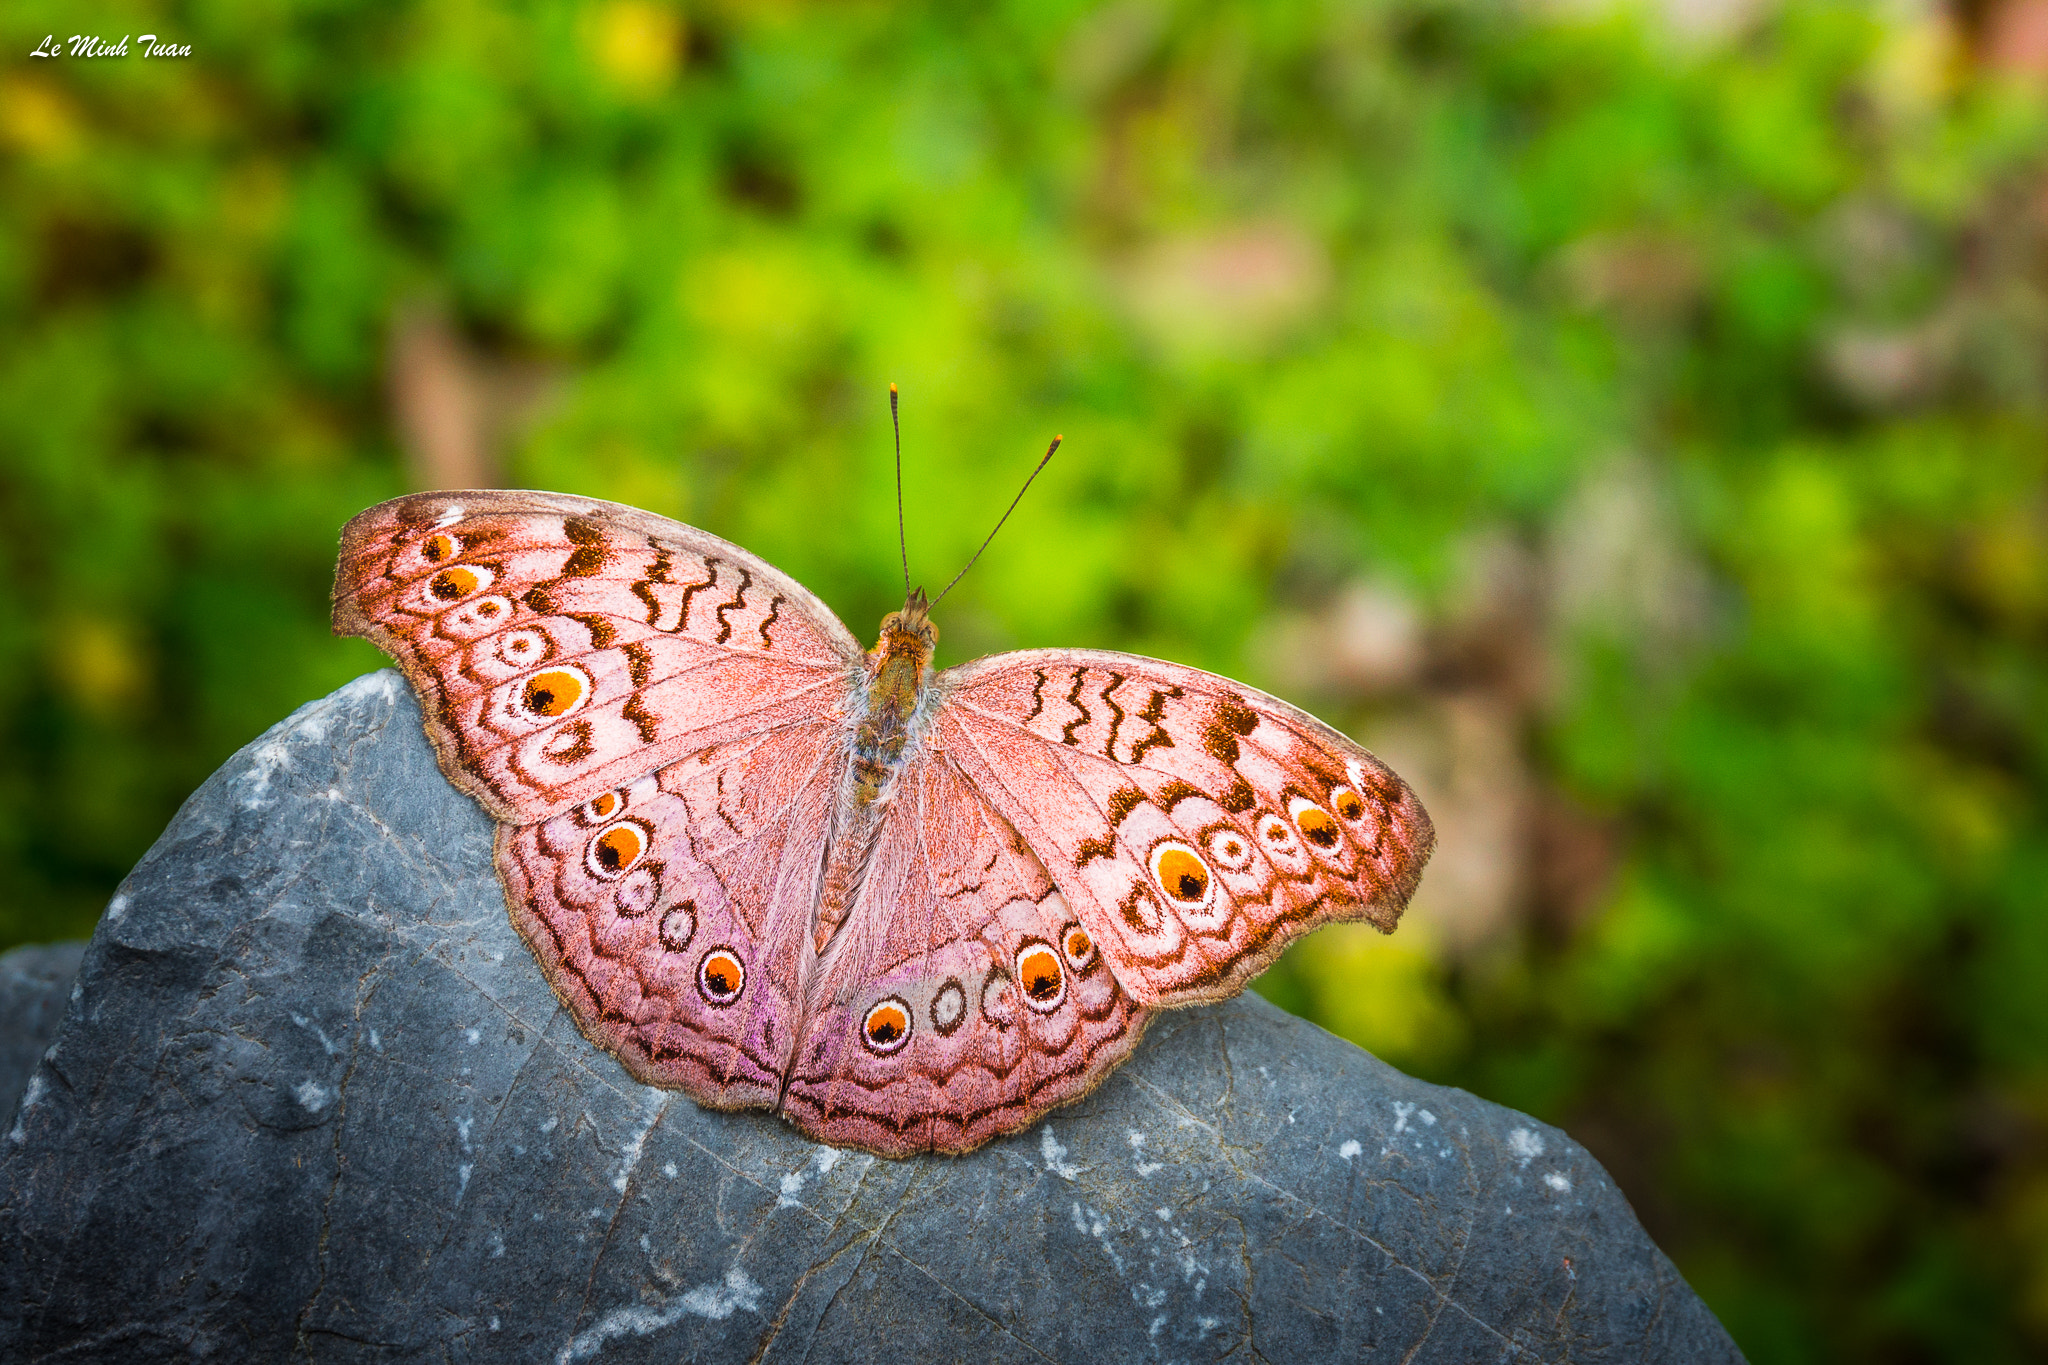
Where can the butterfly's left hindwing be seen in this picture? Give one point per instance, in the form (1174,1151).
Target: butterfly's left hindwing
(1197,826)
(670,915)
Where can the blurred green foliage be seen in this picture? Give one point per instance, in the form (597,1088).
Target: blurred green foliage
(1316,289)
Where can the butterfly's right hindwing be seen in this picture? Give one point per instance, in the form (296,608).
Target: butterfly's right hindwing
(964,998)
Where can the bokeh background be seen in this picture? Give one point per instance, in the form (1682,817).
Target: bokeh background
(1629,420)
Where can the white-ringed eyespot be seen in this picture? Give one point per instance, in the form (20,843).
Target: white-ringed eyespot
(617,849)
(998,1001)
(949,1007)
(1182,874)
(1275,832)
(1316,824)
(458,581)
(639,891)
(678,926)
(554,693)
(886,1027)
(1078,947)
(721,977)
(523,648)
(1039,973)
(1229,847)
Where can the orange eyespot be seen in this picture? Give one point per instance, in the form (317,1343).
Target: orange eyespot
(1274,830)
(887,1026)
(1316,825)
(553,693)
(1078,945)
(1038,971)
(1182,875)
(720,977)
(617,849)
(454,584)
(604,807)
(1348,803)
(437,548)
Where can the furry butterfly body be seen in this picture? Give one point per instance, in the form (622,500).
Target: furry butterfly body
(908,910)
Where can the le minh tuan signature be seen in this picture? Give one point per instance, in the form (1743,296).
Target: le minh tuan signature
(147,46)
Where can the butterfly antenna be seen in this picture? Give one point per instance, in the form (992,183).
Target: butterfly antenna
(1000,520)
(902,547)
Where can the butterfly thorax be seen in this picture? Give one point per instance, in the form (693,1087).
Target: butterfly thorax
(895,684)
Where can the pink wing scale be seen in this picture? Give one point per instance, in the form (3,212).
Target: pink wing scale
(660,721)
(734,842)
(976,898)
(673,639)
(1105,761)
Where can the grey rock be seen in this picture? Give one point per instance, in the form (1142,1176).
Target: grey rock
(313,1099)
(34,983)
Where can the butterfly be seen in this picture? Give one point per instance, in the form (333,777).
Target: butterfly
(907,910)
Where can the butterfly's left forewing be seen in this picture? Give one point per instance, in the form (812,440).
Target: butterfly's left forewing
(564,646)
(1196,826)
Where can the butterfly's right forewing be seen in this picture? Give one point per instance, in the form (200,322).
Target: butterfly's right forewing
(1196,825)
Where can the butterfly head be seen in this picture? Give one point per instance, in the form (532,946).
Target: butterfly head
(909,632)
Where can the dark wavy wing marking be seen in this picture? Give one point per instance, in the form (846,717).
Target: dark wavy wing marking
(597,585)
(690,591)
(1154,711)
(1037,695)
(1074,700)
(739,596)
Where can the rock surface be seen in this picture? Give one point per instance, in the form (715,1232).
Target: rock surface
(312,1099)
(34,985)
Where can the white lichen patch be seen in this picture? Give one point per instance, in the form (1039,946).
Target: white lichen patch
(630,1157)
(1055,1154)
(312,1096)
(1558,1181)
(1138,1162)
(1525,1145)
(821,1162)
(271,754)
(30,1098)
(716,1301)
(1350,1149)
